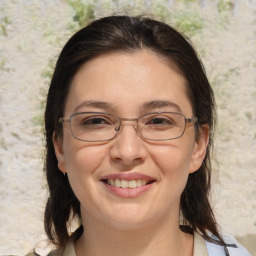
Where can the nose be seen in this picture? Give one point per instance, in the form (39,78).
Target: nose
(128,148)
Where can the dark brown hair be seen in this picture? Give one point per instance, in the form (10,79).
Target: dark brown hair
(128,34)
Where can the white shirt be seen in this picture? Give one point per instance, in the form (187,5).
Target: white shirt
(201,248)
(234,248)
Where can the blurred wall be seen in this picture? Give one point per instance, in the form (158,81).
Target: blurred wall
(31,36)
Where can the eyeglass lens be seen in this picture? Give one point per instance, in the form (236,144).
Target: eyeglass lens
(103,127)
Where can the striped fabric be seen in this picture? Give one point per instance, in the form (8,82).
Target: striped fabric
(201,248)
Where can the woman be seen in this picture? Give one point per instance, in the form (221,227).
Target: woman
(129,127)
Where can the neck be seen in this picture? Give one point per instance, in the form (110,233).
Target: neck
(165,240)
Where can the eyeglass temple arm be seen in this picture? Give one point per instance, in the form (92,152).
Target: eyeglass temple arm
(190,120)
(62,120)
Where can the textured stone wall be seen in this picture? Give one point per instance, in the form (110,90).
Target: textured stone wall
(31,36)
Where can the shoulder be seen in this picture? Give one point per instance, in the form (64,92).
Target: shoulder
(57,252)
(233,248)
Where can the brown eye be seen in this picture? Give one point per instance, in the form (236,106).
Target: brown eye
(95,121)
(160,122)
(91,122)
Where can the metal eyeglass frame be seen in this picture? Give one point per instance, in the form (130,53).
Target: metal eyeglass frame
(122,119)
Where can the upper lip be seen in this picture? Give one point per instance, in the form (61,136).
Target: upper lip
(127,176)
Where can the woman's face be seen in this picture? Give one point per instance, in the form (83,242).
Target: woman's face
(129,85)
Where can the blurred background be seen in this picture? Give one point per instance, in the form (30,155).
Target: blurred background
(32,33)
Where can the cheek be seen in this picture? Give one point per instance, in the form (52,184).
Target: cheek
(172,159)
(172,164)
(82,163)
(82,159)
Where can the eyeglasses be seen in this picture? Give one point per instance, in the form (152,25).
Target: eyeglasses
(97,126)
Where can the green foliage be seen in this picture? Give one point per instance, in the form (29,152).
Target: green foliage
(38,118)
(224,6)
(47,74)
(188,1)
(248,115)
(188,22)
(160,11)
(221,77)
(84,12)
(4,22)
(2,64)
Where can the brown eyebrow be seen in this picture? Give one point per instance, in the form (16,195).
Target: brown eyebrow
(94,104)
(147,106)
(160,104)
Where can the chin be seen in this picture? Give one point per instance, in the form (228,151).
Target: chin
(130,220)
(128,224)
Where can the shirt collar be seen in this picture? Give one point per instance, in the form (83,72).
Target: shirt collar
(200,248)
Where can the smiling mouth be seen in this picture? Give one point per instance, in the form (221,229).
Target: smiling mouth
(128,183)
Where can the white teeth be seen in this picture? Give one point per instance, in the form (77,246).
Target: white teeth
(132,184)
(127,184)
(117,183)
(139,183)
(124,184)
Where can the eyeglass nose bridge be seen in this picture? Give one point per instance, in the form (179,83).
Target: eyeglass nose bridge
(122,119)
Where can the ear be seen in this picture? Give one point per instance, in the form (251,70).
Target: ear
(57,143)
(199,150)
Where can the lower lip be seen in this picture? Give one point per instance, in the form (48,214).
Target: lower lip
(128,192)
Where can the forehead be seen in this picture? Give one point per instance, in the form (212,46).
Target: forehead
(126,81)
